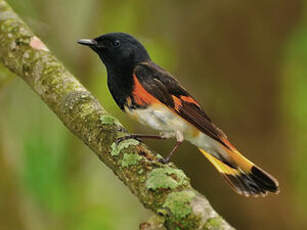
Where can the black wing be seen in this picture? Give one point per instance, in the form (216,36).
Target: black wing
(160,84)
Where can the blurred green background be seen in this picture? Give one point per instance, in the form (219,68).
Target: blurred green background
(245,61)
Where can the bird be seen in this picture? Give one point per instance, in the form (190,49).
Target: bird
(152,96)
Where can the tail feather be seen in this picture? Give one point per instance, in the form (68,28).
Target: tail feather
(245,178)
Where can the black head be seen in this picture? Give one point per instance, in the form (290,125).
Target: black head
(117,50)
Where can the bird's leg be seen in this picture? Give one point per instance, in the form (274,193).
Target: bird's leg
(179,138)
(167,159)
(141,136)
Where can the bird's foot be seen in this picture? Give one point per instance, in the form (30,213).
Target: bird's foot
(164,160)
(119,140)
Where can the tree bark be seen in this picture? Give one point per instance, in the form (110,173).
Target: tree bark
(164,189)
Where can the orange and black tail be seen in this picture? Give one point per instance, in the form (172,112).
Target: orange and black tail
(243,176)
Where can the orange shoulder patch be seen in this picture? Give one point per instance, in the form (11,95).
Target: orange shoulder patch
(140,95)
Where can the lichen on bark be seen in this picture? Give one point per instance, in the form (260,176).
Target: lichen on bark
(164,189)
(166,178)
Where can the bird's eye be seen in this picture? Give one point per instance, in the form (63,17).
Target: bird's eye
(116,43)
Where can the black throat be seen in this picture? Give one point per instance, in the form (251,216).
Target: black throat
(120,83)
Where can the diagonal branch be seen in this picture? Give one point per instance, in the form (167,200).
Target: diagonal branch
(164,189)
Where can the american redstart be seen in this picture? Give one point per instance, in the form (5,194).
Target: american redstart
(155,98)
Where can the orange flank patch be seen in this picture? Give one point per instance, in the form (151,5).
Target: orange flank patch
(230,146)
(189,99)
(177,102)
(140,95)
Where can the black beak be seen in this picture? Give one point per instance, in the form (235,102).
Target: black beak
(87,42)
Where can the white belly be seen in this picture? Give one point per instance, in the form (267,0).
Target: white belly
(161,118)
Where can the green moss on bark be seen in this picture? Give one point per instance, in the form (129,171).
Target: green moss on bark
(130,159)
(117,148)
(215,223)
(178,203)
(109,120)
(166,178)
(179,211)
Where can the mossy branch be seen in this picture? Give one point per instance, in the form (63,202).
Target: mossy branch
(164,189)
